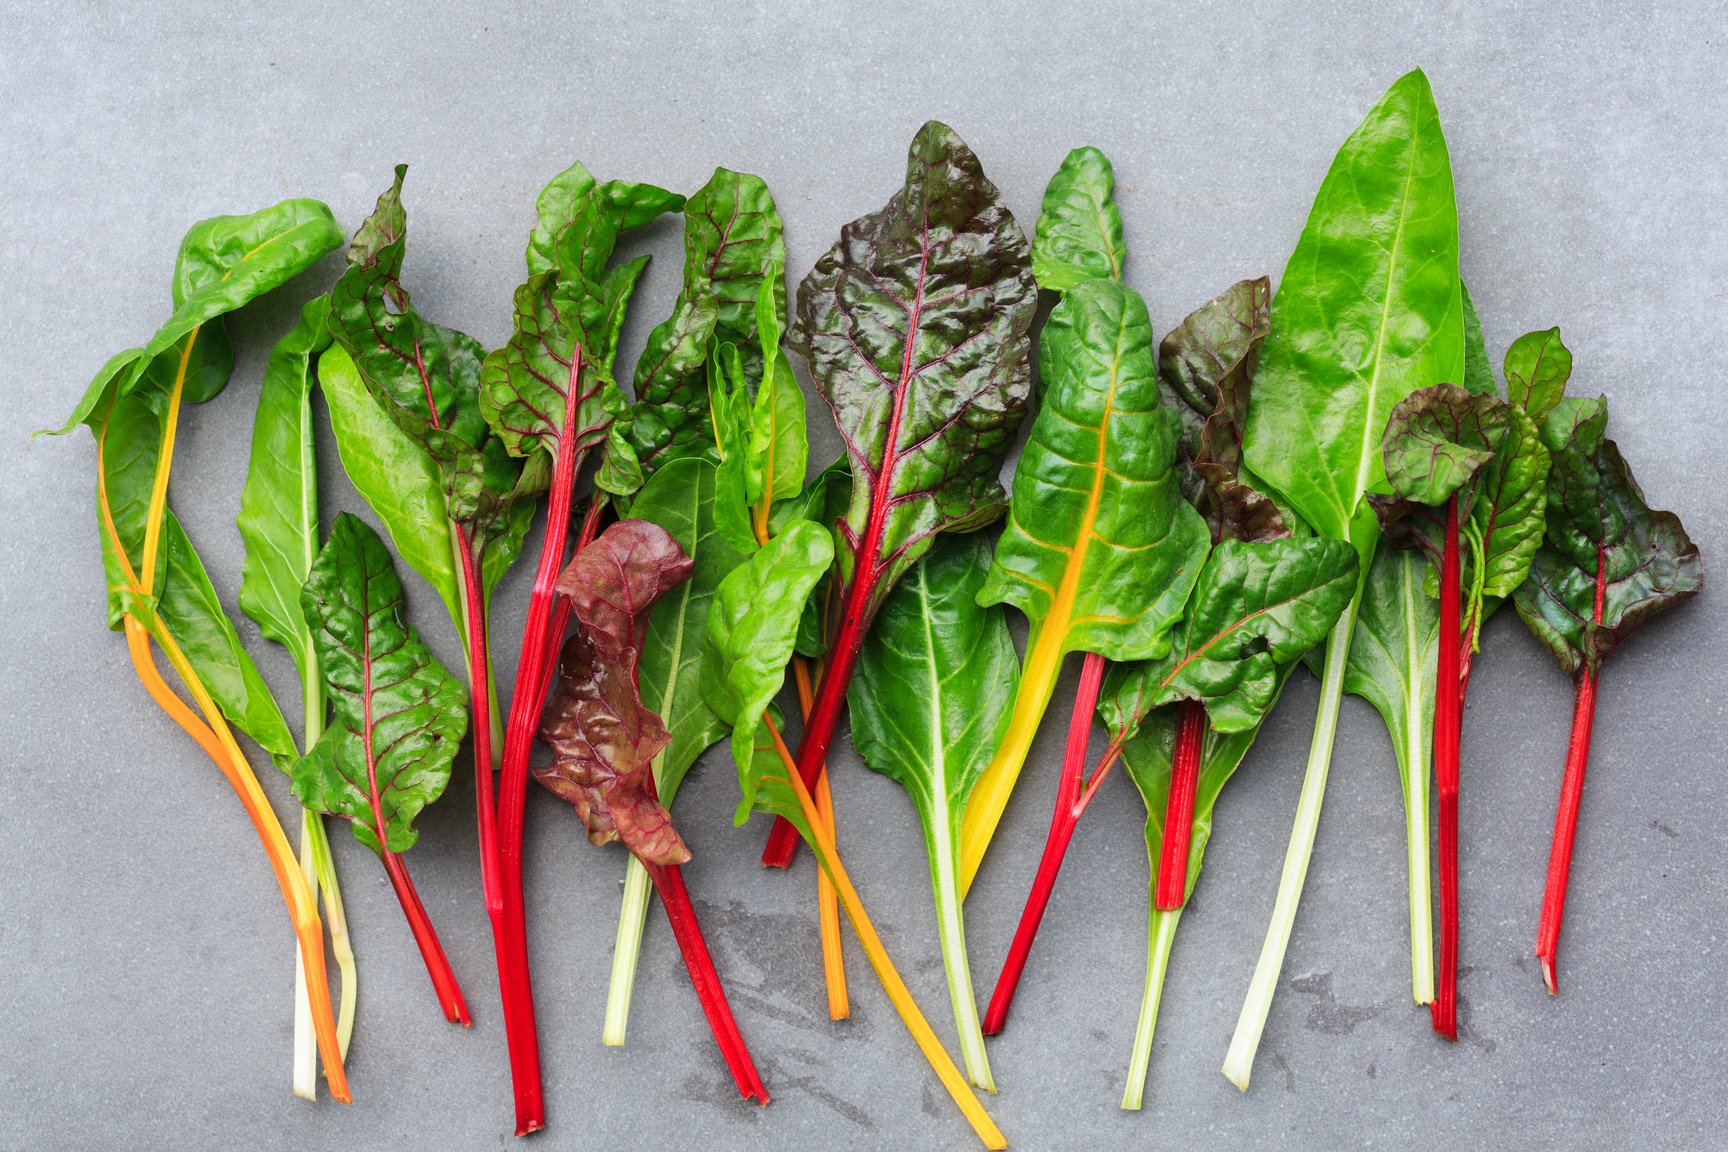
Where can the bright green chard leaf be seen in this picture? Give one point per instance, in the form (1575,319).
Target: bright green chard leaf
(1478,373)
(732,246)
(224,263)
(1100,550)
(680,498)
(1079,233)
(1537,367)
(824,500)
(752,624)
(279,502)
(394,475)
(1257,607)
(929,703)
(915,325)
(1603,541)
(1370,309)
(398,715)
(566,323)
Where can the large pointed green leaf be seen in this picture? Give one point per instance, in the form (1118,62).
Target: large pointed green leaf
(1603,541)
(1079,233)
(398,715)
(1257,607)
(279,503)
(1369,310)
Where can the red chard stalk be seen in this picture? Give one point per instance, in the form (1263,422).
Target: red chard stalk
(549,395)
(915,328)
(1607,563)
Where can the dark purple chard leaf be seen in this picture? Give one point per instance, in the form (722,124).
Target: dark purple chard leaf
(603,743)
(915,326)
(1604,541)
(603,738)
(1206,369)
(1438,438)
(732,237)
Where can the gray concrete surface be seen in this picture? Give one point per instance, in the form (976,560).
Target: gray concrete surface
(144,959)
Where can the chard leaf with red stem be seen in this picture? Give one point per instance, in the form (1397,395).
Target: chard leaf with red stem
(1608,562)
(915,327)
(397,720)
(603,739)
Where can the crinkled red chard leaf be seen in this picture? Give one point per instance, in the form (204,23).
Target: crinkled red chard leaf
(603,738)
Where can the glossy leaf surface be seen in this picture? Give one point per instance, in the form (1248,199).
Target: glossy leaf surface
(915,326)
(397,715)
(1079,232)
(1369,310)
(1100,550)
(1256,608)
(752,625)
(279,503)
(603,739)
(1598,522)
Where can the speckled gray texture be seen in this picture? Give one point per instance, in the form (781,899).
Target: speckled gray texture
(145,956)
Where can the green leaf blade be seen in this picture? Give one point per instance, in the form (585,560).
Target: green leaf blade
(1079,232)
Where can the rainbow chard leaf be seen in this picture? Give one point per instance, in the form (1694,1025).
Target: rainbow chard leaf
(752,626)
(932,695)
(1608,562)
(915,327)
(733,250)
(603,739)
(1149,756)
(397,720)
(550,396)
(425,378)
(1100,550)
(1079,226)
(1206,366)
(758,425)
